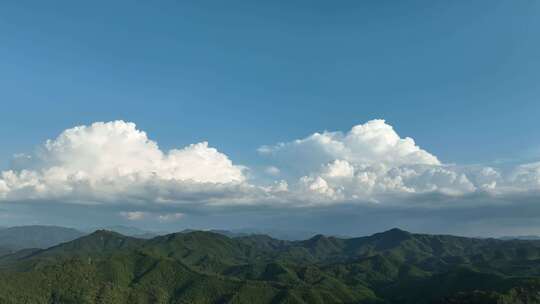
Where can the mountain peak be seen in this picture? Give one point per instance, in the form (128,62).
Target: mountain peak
(396,230)
(105,233)
(318,237)
(394,233)
(321,240)
(99,241)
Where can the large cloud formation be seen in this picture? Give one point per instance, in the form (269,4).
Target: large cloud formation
(374,142)
(114,162)
(372,162)
(368,161)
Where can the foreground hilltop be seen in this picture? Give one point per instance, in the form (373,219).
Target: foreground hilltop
(394,266)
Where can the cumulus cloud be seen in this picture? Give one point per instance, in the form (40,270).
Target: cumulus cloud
(374,142)
(116,161)
(339,181)
(368,161)
(527,176)
(371,162)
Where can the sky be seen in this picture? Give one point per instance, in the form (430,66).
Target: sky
(344,118)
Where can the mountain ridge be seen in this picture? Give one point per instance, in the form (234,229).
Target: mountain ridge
(393,266)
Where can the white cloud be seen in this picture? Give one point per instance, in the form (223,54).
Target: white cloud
(317,185)
(338,168)
(372,161)
(368,161)
(374,142)
(115,161)
(133,215)
(526,176)
(170,217)
(119,149)
(340,181)
(143,215)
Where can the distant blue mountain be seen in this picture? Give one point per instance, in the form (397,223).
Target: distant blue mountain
(15,238)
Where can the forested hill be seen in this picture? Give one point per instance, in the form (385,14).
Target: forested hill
(394,266)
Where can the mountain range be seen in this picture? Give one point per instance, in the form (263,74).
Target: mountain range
(394,266)
(42,236)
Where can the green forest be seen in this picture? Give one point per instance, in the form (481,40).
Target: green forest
(394,266)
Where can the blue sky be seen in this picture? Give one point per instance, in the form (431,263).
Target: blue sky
(459,77)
